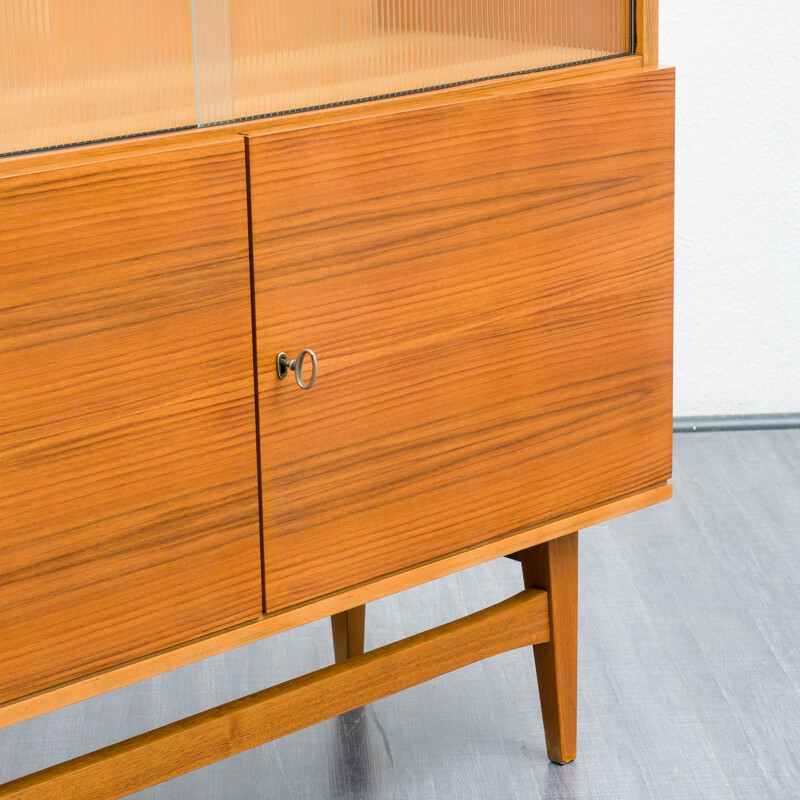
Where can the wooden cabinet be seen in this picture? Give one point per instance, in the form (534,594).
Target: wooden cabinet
(488,289)
(128,482)
(484,273)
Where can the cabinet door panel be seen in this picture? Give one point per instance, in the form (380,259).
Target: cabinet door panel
(488,287)
(128,469)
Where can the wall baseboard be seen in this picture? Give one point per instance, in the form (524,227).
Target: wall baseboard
(736,422)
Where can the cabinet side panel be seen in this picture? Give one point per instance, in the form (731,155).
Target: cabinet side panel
(488,288)
(128,480)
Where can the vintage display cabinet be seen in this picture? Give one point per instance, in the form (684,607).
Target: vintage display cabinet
(306,302)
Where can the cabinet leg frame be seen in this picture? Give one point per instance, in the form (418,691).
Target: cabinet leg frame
(348,633)
(553,567)
(221,732)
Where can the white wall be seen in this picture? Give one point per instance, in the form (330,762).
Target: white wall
(737,221)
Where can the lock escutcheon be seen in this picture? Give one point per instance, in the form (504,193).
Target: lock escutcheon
(284,364)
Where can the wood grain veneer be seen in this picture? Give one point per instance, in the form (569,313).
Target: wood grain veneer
(128,485)
(270,624)
(488,287)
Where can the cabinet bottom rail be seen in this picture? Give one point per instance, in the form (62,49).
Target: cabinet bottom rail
(188,744)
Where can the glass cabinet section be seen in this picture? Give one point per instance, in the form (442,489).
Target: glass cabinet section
(75,71)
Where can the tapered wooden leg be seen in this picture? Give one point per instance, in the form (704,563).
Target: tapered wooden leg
(553,566)
(348,633)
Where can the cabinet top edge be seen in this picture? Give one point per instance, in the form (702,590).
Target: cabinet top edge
(499,88)
(233,132)
(100,152)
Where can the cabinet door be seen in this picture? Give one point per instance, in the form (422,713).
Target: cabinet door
(488,288)
(128,469)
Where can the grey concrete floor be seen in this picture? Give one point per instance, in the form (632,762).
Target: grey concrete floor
(689,674)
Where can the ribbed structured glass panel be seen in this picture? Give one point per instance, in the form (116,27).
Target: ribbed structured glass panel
(295,54)
(83,70)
